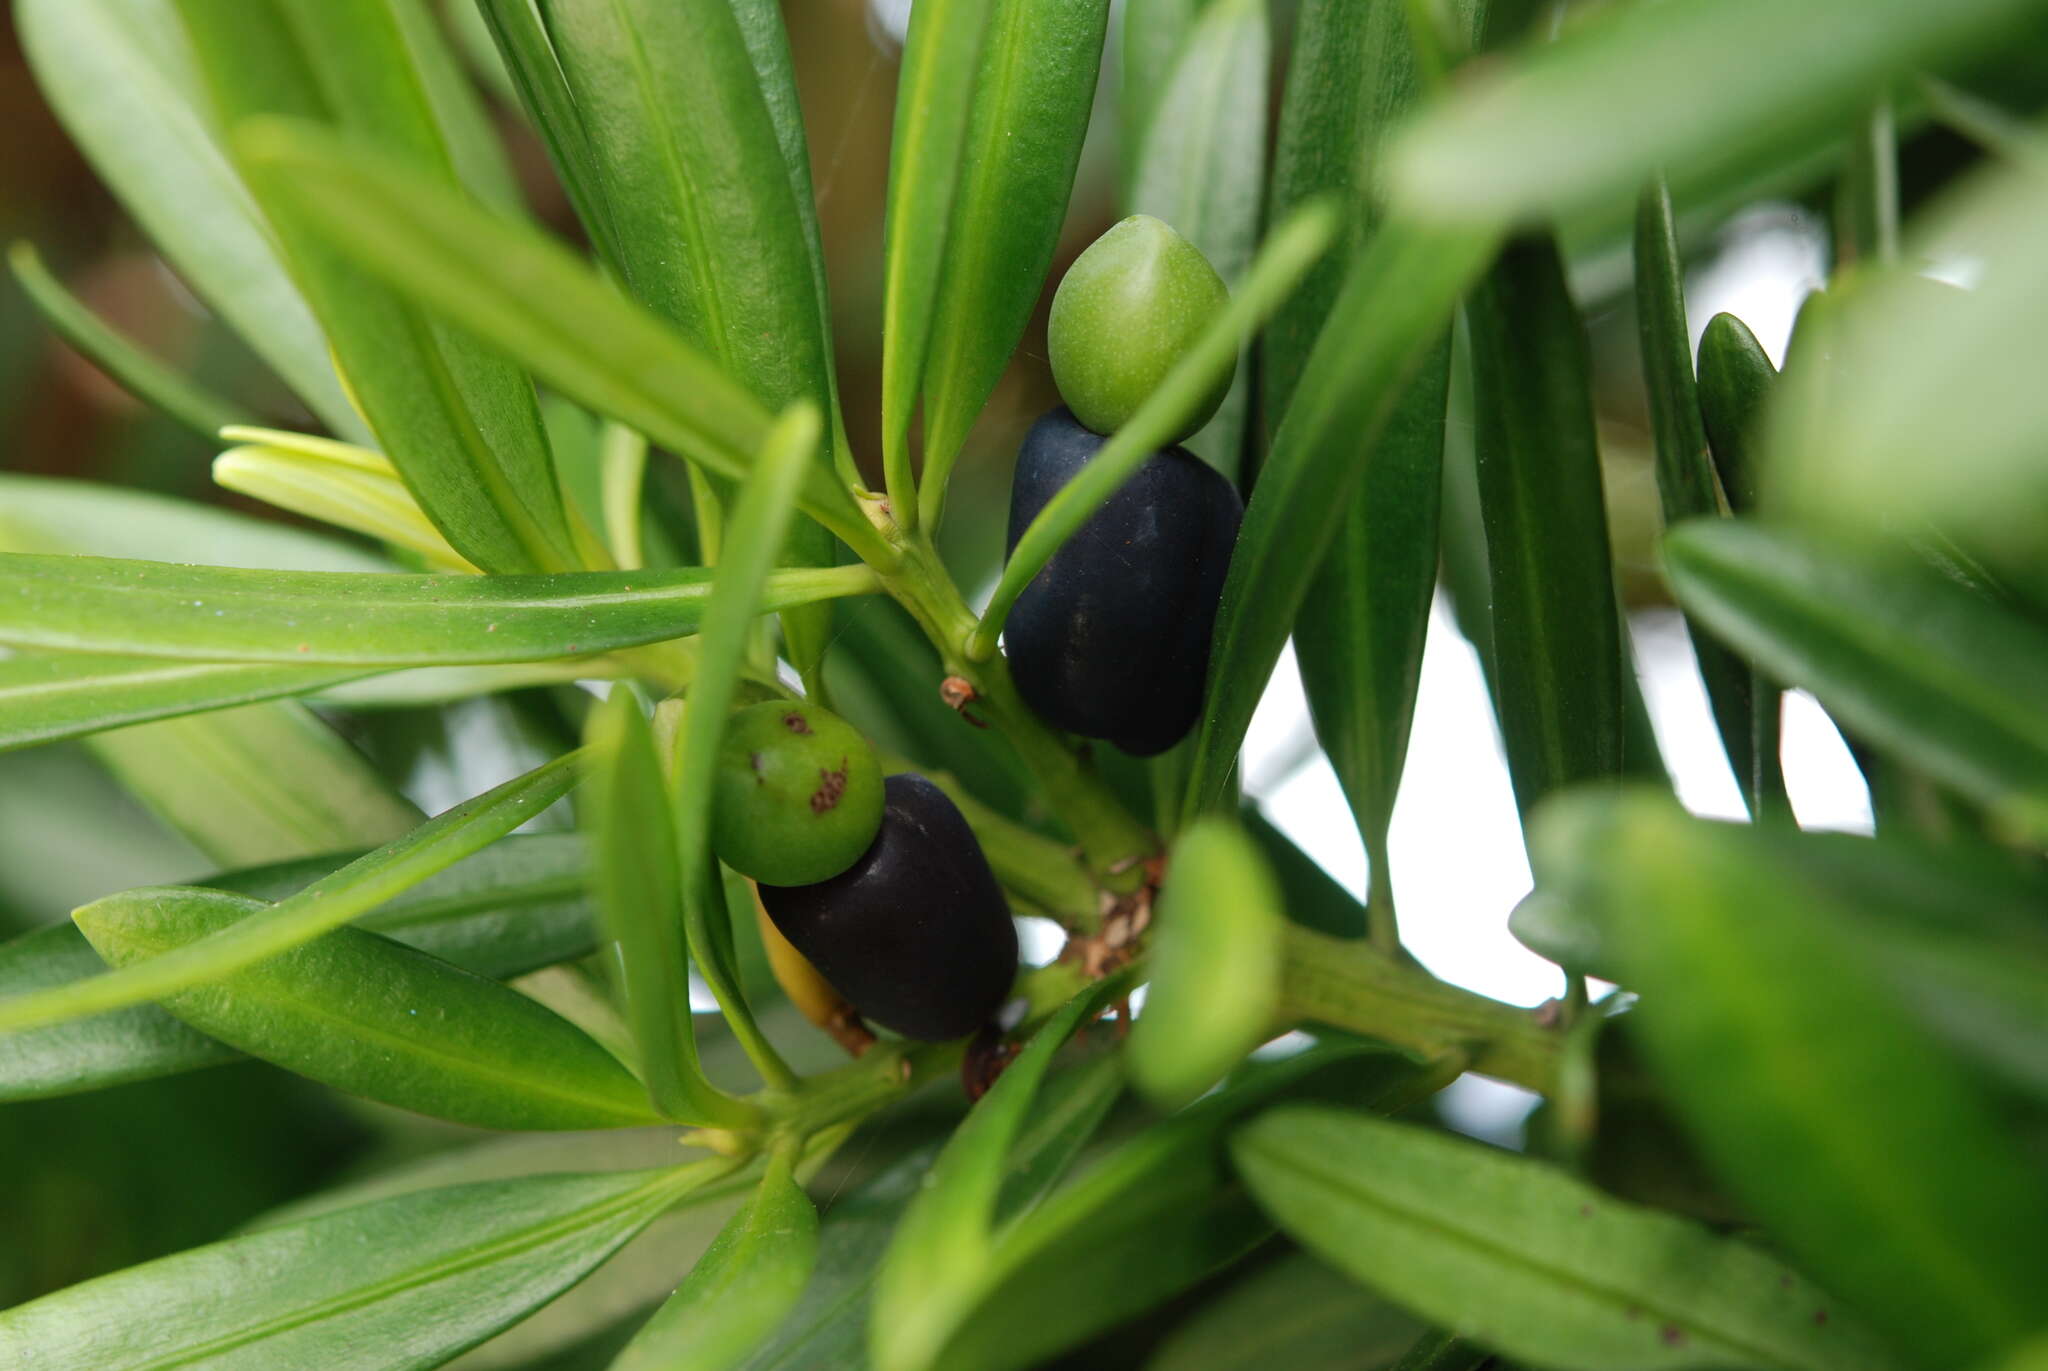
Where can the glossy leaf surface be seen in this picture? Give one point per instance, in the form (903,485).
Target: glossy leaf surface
(1853,1136)
(1526,1260)
(122,77)
(530,297)
(1215,966)
(1202,169)
(346,1007)
(740,1288)
(638,883)
(1711,88)
(1397,297)
(1556,629)
(1688,487)
(328,903)
(105,605)
(1906,657)
(1027,118)
(47,698)
(401,1284)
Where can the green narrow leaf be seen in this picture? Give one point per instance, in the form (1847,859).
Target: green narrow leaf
(639,888)
(934,106)
(1858,1142)
(1556,629)
(459,421)
(1026,121)
(530,63)
(1907,658)
(1360,630)
(345,1009)
(942,1247)
(94,604)
(336,483)
(528,296)
(755,531)
(258,784)
(458,109)
(1735,379)
(44,699)
(39,514)
(1289,252)
(1687,487)
(120,75)
(1397,298)
(1906,366)
(1150,1219)
(514,907)
(1311,896)
(127,365)
(400,1284)
(740,1289)
(1150,35)
(1526,1260)
(704,200)
(1215,965)
(1714,89)
(348,893)
(1202,169)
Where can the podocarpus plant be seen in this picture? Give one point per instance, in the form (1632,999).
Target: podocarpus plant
(1806,1136)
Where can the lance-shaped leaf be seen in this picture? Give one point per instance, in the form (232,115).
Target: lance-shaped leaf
(348,893)
(1289,252)
(120,74)
(1715,89)
(1687,488)
(1526,1260)
(514,907)
(1202,169)
(1735,379)
(1906,657)
(1152,1218)
(740,1289)
(1860,1144)
(1957,931)
(934,105)
(401,1284)
(1396,300)
(38,514)
(705,210)
(1360,630)
(1150,35)
(104,605)
(1907,366)
(127,365)
(47,698)
(337,483)
(258,784)
(1215,966)
(1027,118)
(639,888)
(459,421)
(1556,629)
(759,520)
(525,294)
(371,1016)
(943,1245)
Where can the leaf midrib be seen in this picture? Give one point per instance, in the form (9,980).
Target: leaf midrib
(1509,1256)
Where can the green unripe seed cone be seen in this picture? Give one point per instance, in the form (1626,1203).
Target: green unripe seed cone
(798,796)
(1125,313)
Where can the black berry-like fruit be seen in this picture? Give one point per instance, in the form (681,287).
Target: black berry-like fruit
(1111,639)
(916,933)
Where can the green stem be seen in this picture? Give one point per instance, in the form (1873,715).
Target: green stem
(1113,842)
(1346,983)
(1867,196)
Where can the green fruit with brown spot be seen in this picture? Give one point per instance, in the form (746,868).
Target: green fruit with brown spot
(798,796)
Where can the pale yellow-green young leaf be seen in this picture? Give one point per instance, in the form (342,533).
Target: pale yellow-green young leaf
(337,483)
